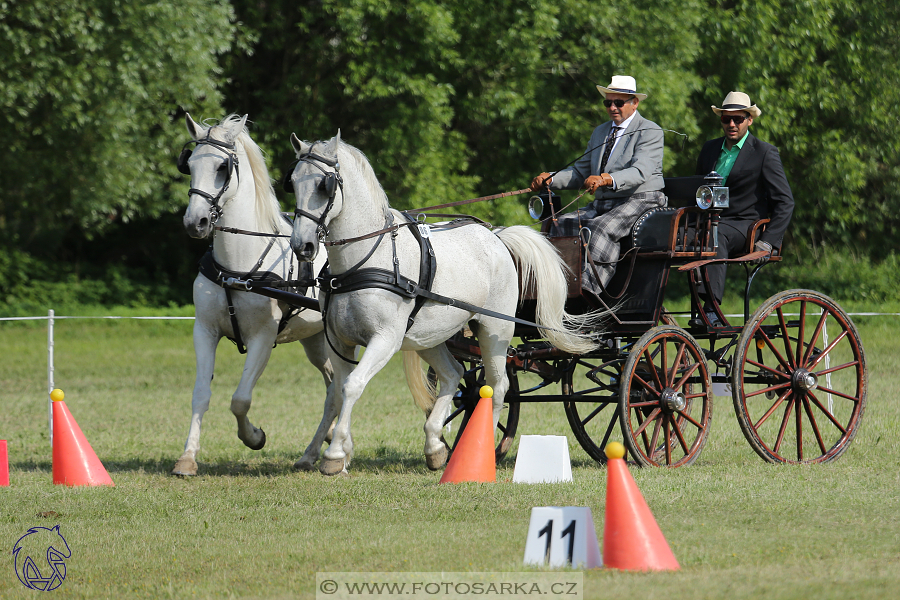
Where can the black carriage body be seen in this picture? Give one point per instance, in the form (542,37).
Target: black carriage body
(652,381)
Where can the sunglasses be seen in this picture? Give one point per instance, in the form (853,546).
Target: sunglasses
(618,102)
(736,118)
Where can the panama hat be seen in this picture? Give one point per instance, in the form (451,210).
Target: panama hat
(738,101)
(621,84)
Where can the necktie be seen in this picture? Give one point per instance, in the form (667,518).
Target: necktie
(610,142)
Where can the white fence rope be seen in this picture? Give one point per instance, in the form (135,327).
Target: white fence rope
(51,318)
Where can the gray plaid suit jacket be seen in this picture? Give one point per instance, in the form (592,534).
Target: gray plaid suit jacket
(635,163)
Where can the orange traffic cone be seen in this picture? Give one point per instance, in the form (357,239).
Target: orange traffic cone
(4,465)
(632,540)
(74,461)
(473,458)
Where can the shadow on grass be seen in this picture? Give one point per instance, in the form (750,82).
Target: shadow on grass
(375,461)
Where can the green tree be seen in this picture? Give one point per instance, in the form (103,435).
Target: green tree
(824,73)
(527,100)
(87,100)
(456,99)
(377,70)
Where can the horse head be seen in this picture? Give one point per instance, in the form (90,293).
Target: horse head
(318,185)
(214,169)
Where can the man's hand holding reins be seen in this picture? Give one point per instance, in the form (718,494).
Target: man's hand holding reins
(540,182)
(597,181)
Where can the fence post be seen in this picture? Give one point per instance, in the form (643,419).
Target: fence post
(50,385)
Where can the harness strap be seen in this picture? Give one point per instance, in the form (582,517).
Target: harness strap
(391,229)
(427,269)
(262,283)
(236,330)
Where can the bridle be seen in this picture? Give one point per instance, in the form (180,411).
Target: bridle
(330,185)
(231,162)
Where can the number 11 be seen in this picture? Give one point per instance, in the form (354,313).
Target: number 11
(568,531)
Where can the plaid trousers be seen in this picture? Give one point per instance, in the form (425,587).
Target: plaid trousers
(608,221)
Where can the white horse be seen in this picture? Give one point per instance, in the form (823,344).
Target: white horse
(231,189)
(339,198)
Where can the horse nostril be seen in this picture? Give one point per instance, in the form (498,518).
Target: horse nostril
(202,224)
(308,249)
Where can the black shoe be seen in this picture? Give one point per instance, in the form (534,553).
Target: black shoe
(712,317)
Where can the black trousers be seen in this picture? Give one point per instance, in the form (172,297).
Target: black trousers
(732,242)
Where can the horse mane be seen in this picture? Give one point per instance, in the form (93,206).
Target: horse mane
(268,210)
(368,174)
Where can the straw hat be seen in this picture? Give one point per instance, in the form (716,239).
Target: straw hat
(738,101)
(621,84)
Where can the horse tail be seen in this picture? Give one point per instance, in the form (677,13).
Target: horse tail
(543,271)
(423,391)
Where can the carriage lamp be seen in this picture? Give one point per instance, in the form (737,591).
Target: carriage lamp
(712,194)
(535,207)
(539,205)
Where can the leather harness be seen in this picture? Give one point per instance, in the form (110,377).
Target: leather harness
(233,280)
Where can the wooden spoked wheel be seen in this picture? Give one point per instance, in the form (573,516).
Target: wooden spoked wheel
(799,379)
(593,413)
(665,400)
(467,397)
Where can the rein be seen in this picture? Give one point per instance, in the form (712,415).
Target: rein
(253,233)
(357,278)
(461,202)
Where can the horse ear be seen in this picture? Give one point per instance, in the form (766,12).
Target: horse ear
(299,146)
(334,144)
(194,130)
(235,130)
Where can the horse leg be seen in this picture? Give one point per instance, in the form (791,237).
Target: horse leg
(259,350)
(205,341)
(494,342)
(449,373)
(352,382)
(317,352)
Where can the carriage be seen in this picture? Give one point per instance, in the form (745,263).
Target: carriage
(795,368)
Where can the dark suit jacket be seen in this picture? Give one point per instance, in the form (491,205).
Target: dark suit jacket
(757,187)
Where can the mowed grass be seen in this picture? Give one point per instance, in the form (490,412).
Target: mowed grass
(249,526)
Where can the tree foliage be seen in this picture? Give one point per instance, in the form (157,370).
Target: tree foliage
(89,91)
(449,100)
(455,100)
(824,72)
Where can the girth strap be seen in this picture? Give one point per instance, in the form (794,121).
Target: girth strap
(228,280)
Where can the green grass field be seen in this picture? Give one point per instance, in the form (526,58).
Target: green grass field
(250,527)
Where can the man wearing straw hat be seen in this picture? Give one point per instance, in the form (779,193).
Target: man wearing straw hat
(623,169)
(757,186)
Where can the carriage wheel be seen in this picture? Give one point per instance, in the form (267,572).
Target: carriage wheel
(594,423)
(665,400)
(467,397)
(800,379)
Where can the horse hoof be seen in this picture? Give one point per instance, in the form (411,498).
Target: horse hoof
(305,465)
(262,442)
(186,467)
(331,466)
(437,460)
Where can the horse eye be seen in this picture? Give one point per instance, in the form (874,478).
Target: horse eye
(223,167)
